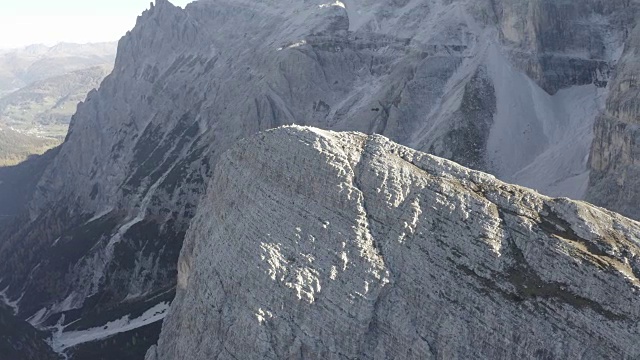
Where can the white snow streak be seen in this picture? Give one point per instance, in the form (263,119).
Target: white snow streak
(99,215)
(36,319)
(336,3)
(294,45)
(64,340)
(12,304)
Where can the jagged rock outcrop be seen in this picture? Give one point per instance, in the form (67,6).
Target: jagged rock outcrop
(615,154)
(323,245)
(472,81)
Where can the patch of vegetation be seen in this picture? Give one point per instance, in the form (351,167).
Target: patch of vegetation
(49,279)
(45,107)
(35,117)
(16,147)
(20,341)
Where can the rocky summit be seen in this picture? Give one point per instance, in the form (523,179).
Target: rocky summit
(324,245)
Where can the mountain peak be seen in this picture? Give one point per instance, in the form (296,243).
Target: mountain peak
(343,245)
(164,3)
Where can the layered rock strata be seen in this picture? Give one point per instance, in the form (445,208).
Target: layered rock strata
(322,245)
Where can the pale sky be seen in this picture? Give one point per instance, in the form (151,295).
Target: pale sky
(26,22)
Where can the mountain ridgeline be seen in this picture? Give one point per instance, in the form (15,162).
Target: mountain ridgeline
(321,245)
(22,67)
(508,87)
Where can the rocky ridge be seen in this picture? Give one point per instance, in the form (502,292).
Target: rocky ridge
(321,245)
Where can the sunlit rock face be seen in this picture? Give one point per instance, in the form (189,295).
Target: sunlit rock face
(322,245)
(512,88)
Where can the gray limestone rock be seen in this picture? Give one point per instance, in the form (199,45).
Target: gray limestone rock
(615,154)
(322,245)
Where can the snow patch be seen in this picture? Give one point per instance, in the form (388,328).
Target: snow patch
(336,3)
(13,304)
(56,242)
(38,318)
(71,302)
(294,45)
(99,215)
(63,340)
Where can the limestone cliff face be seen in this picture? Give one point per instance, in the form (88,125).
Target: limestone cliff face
(323,245)
(565,43)
(615,155)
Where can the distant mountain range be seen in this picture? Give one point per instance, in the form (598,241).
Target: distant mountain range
(22,67)
(40,88)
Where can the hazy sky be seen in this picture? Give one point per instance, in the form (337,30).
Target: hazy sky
(25,22)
